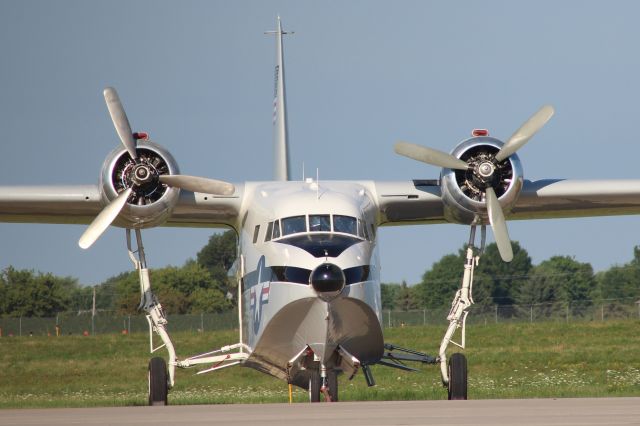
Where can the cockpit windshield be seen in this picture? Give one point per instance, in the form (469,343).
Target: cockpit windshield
(293,225)
(346,224)
(317,223)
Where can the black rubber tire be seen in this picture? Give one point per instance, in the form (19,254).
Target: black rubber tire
(158,382)
(457,377)
(314,386)
(332,381)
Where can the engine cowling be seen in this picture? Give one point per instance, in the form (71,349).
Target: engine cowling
(464,191)
(151,202)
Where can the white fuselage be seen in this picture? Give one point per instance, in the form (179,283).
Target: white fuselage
(286,231)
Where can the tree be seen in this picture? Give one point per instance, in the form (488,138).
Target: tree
(440,283)
(405,298)
(26,293)
(388,292)
(218,256)
(621,282)
(496,281)
(558,279)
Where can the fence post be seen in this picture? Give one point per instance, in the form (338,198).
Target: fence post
(424,316)
(389,313)
(531,313)
(602,312)
(496,314)
(567,314)
(20,325)
(202,322)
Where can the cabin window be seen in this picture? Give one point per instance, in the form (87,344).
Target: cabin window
(256,231)
(276,229)
(294,224)
(346,224)
(267,237)
(361,229)
(319,223)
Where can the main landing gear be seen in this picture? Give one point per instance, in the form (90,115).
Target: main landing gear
(161,378)
(161,373)
(454,373)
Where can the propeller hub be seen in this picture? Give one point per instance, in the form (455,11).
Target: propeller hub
(486,169)
(141,175)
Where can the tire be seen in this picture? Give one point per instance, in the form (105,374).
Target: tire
(158,382)
(457,377)
(332,381)
(314,386)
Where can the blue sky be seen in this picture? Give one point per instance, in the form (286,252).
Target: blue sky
(198,75)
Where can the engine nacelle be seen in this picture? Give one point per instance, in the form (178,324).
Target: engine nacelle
(152,202)
(463,191)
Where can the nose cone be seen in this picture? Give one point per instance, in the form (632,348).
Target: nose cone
(327,280)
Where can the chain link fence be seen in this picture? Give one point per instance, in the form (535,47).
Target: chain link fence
(70,323)
(585,310)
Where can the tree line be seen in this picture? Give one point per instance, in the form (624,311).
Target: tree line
(203,284)
(559,279)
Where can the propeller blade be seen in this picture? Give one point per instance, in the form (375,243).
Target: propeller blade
(499,226)
(526,132)
(120,120)
(199,184)
(430,156)
(103,220)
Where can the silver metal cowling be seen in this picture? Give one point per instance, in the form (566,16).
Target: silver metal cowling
(153,212)
(459,207)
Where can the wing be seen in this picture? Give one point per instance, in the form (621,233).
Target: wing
(80,204)
(421,202)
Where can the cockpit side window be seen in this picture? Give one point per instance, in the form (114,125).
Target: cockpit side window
(267,236)
(362,229)
(319,223)
(276,229)
(294,224)
(256,232)
(346,224)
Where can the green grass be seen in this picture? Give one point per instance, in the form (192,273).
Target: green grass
(505,361)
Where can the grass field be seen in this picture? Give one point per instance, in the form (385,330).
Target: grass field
(505,361)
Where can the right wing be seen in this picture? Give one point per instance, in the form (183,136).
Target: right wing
(80,204)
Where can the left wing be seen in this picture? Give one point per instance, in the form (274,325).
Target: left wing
(421,202)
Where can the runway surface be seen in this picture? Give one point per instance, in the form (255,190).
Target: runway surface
(521,412)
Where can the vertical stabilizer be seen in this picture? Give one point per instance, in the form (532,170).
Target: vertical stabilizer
(282,168)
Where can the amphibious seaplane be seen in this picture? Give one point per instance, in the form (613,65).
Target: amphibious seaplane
(308,270)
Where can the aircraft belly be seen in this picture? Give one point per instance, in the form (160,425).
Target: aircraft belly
(320,325)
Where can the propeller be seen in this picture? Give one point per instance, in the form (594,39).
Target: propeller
(120,121)
(140,175)
(198,184)
(430,156)
(525,132)
(104,219)
(484,171)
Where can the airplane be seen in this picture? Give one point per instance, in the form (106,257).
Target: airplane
(308,267)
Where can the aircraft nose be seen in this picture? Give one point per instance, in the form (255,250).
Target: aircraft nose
(327,280)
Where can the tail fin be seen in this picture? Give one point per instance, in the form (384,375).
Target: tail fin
(280,132)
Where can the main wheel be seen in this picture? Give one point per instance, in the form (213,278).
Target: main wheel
(314,386)
(332,381)
(457,377)
(158,382)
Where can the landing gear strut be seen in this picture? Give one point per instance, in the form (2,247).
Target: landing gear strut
(454,374)
(161,378)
